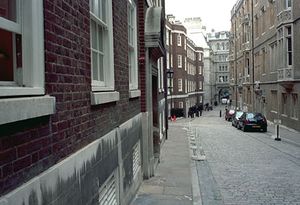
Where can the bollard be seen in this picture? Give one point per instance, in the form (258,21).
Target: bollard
(277,134)
(220,113)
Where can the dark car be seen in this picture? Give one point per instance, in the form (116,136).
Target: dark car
(236,118)
(252,121)
(229,114)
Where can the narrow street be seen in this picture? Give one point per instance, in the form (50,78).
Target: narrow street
(243,168)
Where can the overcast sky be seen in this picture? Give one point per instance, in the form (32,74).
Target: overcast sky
(214,13)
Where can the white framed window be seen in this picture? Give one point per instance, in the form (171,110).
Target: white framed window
(168,59)
(22,48)
(102,52)
(178,39)
(167,36)
(160,68)
(132,45)
(179,61)
(22,66)
(200,70)
(179,84)
(171,60)
(289,45)
(200,85)
(288,4)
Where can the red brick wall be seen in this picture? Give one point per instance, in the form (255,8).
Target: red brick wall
(142,68)
(29,147)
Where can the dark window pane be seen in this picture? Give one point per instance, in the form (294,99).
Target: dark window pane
(6,56)
(8,9)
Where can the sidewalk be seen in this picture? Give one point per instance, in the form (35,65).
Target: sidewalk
(172,183)
(286,134)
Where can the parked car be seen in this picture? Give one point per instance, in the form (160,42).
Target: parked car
(229,114)
(252,121)
(224,101)
(236,118)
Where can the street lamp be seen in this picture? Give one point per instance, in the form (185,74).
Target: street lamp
(170,73)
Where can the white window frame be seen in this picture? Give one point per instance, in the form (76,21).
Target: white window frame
(160,68)
(31,26)
(178,39)
(132,53)
(200,85)
(167,36)
(108,83)
(287,38)
(179,61)
(31,79)
(179,84)
(168,60)
(287,2)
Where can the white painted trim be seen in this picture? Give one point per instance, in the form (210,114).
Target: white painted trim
(178,32)
(109,82)
(10,25)
(31,28)
(20,91)
(33,44)
(134,93)
(98,98)
(16,109)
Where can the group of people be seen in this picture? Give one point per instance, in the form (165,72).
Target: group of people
(195,110)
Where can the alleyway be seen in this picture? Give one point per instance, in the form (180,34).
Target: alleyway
(233,167)
(245,168)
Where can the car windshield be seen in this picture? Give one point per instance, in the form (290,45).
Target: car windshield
(258,117)
(250,116)
(239,114)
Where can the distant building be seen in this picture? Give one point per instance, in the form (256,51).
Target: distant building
(264,59)
(185,58)
(196,31)
(219,43)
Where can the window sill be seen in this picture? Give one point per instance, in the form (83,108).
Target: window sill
(20,91)
(134,93)
(98,98)
(16,109)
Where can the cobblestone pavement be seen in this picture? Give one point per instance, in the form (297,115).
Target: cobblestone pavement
(245,168)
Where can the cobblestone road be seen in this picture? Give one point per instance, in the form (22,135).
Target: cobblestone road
(246,168)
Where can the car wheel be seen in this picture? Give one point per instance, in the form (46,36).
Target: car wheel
(244,128)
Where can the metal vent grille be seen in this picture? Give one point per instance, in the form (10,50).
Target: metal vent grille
(136,158)
(107,193)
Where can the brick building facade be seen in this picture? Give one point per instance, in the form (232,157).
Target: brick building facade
(73,101)
(185,58)
(264,58)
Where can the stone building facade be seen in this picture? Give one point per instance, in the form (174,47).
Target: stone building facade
(77,119)
(219,43)
(264,59)
(185,58)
